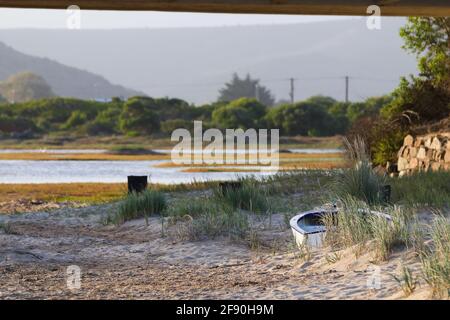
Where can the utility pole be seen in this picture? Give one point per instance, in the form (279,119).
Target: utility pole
(257,91)
(291,92)
(346,88)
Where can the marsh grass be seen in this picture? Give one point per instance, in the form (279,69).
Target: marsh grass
(436,258)
(139,205)
(431,189)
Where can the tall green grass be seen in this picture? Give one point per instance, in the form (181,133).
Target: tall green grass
(140,205)
(289,182)
(191,207)
(360,180)
(348,227)
(389,234)
(422,189)
(250,196)
(356,226)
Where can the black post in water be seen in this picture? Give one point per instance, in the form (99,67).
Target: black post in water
(137,183)
(386,193)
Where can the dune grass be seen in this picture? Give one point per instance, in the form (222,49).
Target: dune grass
(356,226)
(250,196)
(406,281)
(191,207)
(212,224)
(390,234)
(360,180)
(139,205)
(203,217)
(436,258)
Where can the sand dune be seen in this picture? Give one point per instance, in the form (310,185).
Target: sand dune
(134,261)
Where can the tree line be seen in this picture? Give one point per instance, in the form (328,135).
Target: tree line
(316,116)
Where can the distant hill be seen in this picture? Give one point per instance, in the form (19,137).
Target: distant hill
(193,63)
(25,86)
(63,80)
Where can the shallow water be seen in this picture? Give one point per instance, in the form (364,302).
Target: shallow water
(52,171)
(95,151)
(31,171)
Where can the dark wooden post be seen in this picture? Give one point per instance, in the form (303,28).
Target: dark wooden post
(137,183)
(386,193)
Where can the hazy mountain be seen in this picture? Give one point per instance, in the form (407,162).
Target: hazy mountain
(63,80)
(193,63)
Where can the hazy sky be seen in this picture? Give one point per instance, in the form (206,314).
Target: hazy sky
(30,18)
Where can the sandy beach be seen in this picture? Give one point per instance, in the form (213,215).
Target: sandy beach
(134,261)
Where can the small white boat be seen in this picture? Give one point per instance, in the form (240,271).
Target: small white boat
(308,229)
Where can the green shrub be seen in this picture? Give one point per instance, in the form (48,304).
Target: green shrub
(77,118)
(385,148)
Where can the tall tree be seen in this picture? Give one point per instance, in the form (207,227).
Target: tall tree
(420,99)
(425,97)
(429,39)
(246,88)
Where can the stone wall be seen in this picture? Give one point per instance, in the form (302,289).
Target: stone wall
(423,153)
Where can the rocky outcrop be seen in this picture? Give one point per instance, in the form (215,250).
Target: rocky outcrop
(423,153)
